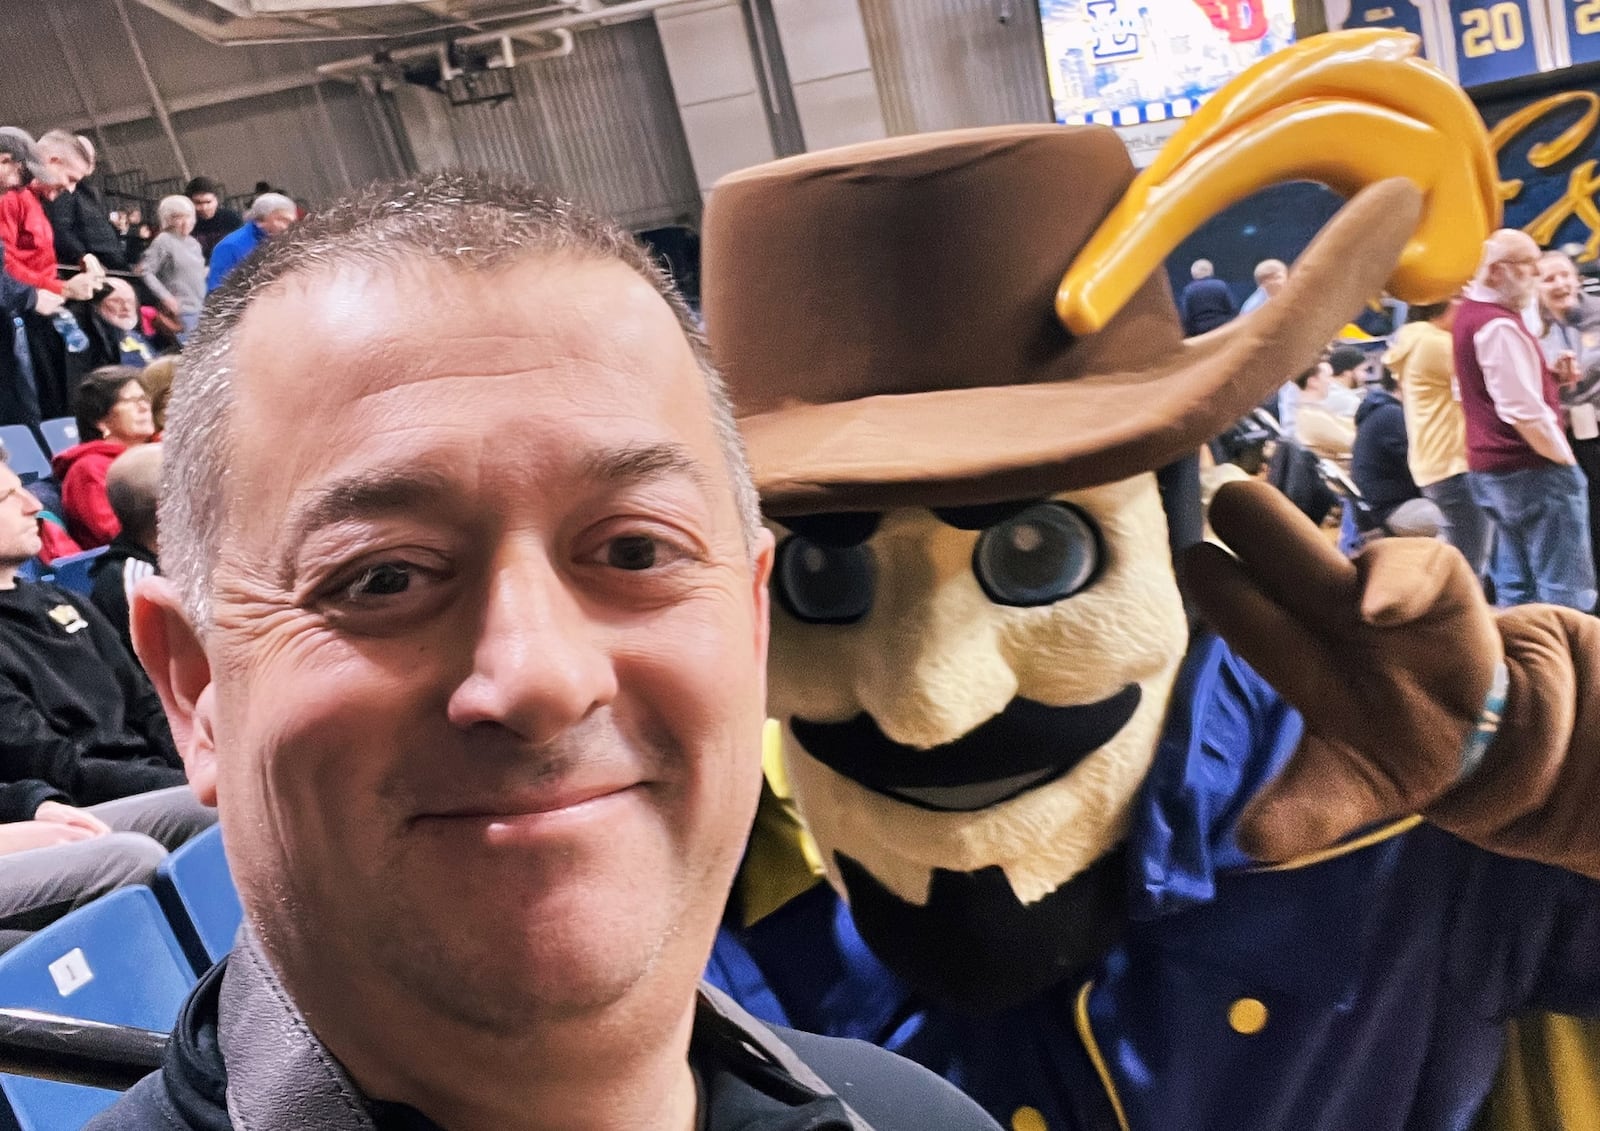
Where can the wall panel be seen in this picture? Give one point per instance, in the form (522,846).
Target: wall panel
(600,125)
(945,64)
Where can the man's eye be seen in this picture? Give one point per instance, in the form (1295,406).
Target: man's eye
(632,551)
(384,580)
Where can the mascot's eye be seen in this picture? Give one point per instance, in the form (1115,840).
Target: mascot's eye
(1041,555)
(824,584)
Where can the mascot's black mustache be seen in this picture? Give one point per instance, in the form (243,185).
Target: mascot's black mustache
(1021,748)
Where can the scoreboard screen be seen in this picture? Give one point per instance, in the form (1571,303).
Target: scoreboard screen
(1131,62)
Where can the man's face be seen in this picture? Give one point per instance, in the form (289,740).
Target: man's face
(1559,289)
(488,645)
(205,204)
(19,520)
(276,223)
(1273,282)
(68,170)
(10,172)
(1516,277)
(119,307)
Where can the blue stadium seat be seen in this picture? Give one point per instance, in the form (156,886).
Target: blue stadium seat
(72,571)
(196,890)
(23,453)
(60,433)
(115,960)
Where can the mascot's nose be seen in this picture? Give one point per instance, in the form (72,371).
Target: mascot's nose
(935,670)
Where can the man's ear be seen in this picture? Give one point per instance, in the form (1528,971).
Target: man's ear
(172,654)
(765,554)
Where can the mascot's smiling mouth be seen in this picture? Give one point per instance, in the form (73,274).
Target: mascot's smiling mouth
(1021,748)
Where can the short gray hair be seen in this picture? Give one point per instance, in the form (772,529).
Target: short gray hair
(1268,268)
(59,143)
(268,203)
(171,207)
(470,222)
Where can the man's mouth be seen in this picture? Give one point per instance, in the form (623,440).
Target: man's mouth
(1023,747)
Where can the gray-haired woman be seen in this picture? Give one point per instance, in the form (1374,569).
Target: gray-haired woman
(174,266)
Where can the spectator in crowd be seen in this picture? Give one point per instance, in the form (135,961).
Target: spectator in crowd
(38,174)
(136,237)
(1436,435)
(76,711)
(113,414)
(157,378)
(1324,417)
(79,217)
(114,334)
(133,486)
(485,741)
(19,394)
(174,266)
(212,220)
(1206,302)
(1288,399)
(1270,275)
(270,215)
(1571,322)
(55,857)
(1353,369)
(1379,466)
(1521,467)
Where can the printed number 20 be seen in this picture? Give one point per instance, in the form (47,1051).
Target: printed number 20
(1586,17)
(1499,28)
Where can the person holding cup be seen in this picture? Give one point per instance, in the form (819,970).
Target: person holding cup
(1571,322)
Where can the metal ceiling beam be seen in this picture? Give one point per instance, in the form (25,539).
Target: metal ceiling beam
(150,85)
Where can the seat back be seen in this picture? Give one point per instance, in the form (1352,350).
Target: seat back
(23,453)
(196,890)
(72,571)
(115,960)
(60,433)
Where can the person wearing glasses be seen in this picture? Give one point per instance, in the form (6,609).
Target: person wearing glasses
(113,413)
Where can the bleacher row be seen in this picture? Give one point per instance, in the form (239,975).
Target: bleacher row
(128,959)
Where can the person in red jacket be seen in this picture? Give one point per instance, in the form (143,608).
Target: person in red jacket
(113,412)
(37,173)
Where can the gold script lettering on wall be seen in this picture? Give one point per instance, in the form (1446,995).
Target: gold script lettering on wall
(1582,184)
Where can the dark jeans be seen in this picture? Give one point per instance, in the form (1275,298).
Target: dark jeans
(1466,526)
(1588,455)
(1541,547)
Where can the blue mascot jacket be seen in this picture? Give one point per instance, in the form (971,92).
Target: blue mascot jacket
(1364,989)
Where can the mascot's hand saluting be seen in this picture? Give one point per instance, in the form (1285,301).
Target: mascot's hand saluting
(1417,697)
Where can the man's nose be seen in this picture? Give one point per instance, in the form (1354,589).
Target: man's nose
(540,662)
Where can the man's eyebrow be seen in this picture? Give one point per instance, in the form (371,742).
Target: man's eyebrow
(360,495)
(643,462)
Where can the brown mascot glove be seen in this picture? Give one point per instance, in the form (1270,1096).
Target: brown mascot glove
(1390,660)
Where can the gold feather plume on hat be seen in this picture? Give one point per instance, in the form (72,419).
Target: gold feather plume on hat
(1329,109)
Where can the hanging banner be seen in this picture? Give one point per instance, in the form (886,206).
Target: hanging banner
(1581,21)
(1495,41)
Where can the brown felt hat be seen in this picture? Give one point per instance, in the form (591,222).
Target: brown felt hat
(885,317)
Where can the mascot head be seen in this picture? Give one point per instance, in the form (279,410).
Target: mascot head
(976,622)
